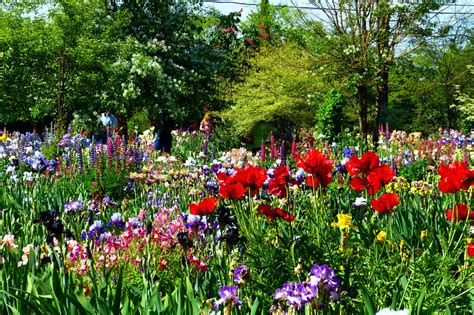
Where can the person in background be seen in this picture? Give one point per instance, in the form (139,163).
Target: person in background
(101,131)
(207,125)
(163,136)
(122,128)
(110,123)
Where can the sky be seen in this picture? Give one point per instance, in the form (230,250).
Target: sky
(461,7)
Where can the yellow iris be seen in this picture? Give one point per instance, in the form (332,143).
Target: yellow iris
(381,237)
(343,222)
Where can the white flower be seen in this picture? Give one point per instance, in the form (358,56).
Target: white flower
(38,154)
(344,161)
(190,161)
(360,201)
(28,176)
(389,311)
(10,169)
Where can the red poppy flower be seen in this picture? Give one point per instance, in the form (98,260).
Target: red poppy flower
(452,177)
(470,249)
(460,212)
(385,203)
(319,166)
(367,163)
(358,183)
(278,184)
(230,187)
(267,211)
(379,177)
(468,180)
(288,217)
(205,207)
(272,213)
(252,177)
(368,173)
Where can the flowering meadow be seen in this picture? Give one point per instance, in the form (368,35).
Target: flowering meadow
(297,228)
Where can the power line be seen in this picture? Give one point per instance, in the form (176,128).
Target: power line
(326,8)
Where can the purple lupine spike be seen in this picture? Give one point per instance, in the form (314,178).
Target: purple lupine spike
(80,160)
(137,153)
(117,145)
(205,147)
(262,152)
(110,150)
(293,147)
(92,153)
(283,153)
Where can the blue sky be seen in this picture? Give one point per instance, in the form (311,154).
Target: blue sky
(229,7)
(226,8)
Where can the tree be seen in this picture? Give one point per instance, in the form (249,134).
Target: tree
(276,91)
(363,37)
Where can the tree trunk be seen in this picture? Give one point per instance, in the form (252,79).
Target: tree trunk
(383,53)
(381,102)
(362,92)
(61,92)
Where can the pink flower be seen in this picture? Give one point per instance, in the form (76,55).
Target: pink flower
(26,254)
(8,241)
(229,30)
(249,41)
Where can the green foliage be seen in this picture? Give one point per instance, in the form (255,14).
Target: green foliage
(139,122)
(329,115)
(274,92)
(414,171)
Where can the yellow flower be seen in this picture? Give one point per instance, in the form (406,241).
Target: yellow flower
(298,268)
(424,235)
(343,222)
(381,237)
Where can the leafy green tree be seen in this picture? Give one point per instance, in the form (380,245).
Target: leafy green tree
(275,92)
(427,84)
(330,115)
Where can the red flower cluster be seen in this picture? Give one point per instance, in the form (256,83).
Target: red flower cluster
(318,166)
(250,178)
(470,249)
(454,177)
(373,175)
(273,213)
(460,212)
(205,207)
(278,185)
(385,203)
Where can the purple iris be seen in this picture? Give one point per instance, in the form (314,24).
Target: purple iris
(324,277)
(116,221)
(294,294)
(228,294)
(96,229)
(241,274)
(73,206)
